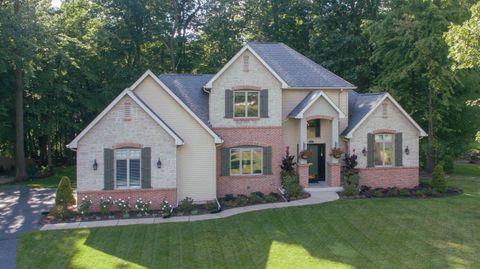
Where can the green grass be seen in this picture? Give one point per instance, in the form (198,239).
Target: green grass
(49,182)
(467,169)
(370,233)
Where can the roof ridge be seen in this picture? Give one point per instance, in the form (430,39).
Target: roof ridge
(184,74)
(372,93)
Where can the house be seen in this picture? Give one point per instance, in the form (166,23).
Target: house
(204,136)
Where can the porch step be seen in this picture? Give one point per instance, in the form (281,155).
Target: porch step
(317,189)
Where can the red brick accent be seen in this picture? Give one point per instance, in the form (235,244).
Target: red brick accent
(302,170)
(127,145)
(333,174)
(154,195)
(383,177)
(384,131)
(254,136)
(245,87)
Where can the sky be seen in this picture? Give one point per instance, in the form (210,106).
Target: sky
(56,3)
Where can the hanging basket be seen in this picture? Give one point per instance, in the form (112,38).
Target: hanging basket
(336,153)
(306,154)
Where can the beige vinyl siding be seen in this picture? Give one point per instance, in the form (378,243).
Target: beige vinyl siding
(234,76)
(195,159)
(395,121)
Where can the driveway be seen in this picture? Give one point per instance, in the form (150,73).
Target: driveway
(20,211)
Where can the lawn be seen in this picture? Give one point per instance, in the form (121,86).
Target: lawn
(373,233)
(51,181)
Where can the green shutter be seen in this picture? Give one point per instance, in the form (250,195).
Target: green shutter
(267,160)
(146,168)
(108,173)
(370,150)
(398,149)
(264,103)
(225,161)
(228,104)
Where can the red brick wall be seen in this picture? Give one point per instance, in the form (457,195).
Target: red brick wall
(262,137)
(383,177)
(333,174)
(303,174)
(154,195)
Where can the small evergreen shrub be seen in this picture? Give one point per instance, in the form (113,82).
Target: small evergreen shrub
(270,199)
(229,197)
(211,205)
(60,212)
(404,192)
(242,200)
(393,192)
(439,183)
(350,189)
(419,193)
(105,204)
(377,193)
(258,193)
(85,206)
(186,205)
(64,196)
(289,179)
(294,190)
(256,199)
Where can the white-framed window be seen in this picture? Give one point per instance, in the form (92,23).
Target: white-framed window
(246,104)
(384,149)
(127,168)
(246,161)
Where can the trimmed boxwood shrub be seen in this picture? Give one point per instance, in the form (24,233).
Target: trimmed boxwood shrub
(242,200)
(186,205)
(404,192)
(64,196)
(270,199)
(439,183)
(350,189)
(377,193)
(256,199)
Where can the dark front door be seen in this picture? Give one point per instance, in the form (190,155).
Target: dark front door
(316,171)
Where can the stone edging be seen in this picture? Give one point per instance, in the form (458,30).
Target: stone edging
(315,198)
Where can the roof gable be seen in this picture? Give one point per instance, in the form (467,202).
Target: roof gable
(308,101)
(127,92)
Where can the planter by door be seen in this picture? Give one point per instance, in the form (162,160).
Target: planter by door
(316,171)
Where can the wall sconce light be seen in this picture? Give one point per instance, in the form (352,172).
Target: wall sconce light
(159,163)
(95,164)
(364,151)
(407,151)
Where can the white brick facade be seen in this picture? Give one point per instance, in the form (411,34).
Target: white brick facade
(112,130)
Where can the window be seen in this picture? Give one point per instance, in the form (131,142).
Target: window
(127,168)
(313,128)
(245,63)
(385,110)
(383,149)
(127,110)
(246,161)
(246,104)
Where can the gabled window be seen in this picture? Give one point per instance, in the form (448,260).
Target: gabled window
(127,168)
(246,104)
(384,149)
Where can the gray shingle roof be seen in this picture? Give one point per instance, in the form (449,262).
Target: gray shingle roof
(188,87)
(304,103)
(358,107)
(296,69)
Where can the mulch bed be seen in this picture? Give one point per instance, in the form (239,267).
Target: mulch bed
(420,192)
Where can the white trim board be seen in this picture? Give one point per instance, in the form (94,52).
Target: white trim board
(178,140)
(217,139)
(226,66)
(320,94)
(387,95)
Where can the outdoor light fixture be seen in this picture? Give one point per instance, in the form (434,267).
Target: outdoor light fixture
(95,165)
(159,163)
(407,151)
(364,151)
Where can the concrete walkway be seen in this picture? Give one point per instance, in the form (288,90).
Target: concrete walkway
(315,198)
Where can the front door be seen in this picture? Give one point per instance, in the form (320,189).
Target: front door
(316,171)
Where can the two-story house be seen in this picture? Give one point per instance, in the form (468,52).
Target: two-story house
(203,136)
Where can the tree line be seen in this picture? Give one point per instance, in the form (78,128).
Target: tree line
(60,66)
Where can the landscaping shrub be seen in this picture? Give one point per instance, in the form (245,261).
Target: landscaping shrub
(393,192)
(289,179)
(123,205)
(270,199)
(350,189)
(419,193)
(85,206)
(64,196)
(143,206)
(288,165)
(211,205)
(186,205)
(229,197)
(377,193)
(439,183)
(404,192)
(105,204)
(242,200)
(60,212)
(256,199)
(259,193)
(294,190)
(165,208)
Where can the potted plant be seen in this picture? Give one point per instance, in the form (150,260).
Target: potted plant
(305,154)
(336,152)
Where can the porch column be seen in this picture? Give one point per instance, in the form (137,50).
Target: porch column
(334,141)
(302,138)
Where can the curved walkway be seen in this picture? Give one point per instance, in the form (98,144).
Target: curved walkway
(315,198)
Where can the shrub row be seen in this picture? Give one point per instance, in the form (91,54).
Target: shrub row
(230,200)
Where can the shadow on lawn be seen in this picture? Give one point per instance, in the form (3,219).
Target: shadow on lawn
(383,233)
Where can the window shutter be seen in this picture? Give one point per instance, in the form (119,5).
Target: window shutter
(398,149)
(108,173)
(228,104)
(370,150)
(146,168)
(267,160)
(225,162)
(264,103)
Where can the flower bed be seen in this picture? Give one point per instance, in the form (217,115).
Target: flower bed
(422,191)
